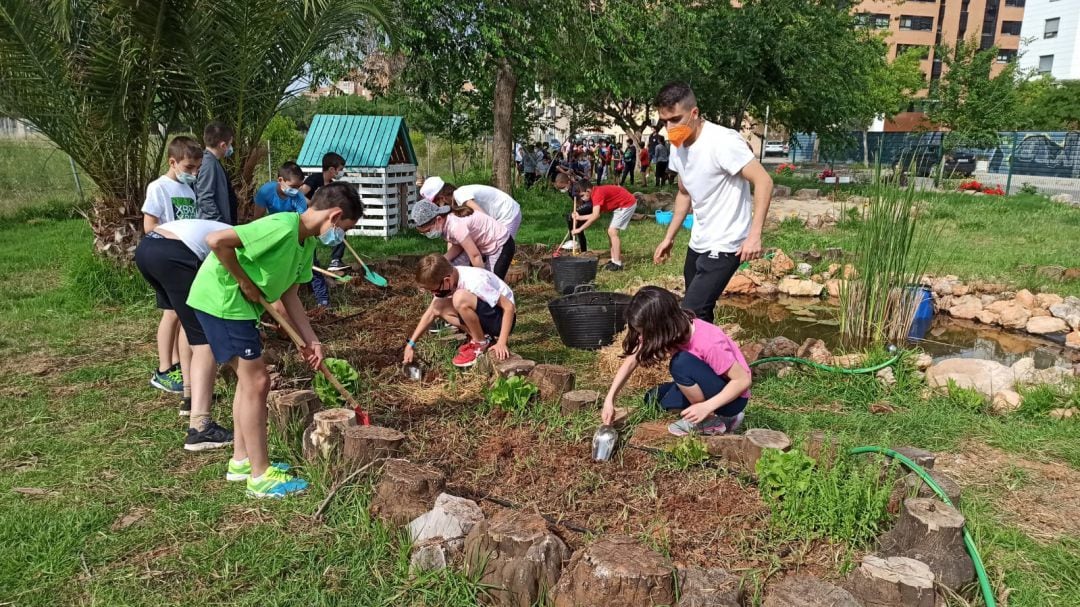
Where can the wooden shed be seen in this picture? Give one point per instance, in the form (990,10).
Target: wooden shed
(379,160)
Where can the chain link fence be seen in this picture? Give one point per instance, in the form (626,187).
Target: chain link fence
(1036,161)
(34,172)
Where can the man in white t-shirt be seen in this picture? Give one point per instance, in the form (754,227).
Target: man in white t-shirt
(716,172)
(490,201)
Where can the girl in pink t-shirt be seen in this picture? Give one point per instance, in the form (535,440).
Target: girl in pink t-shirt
(472,238)
(710,384)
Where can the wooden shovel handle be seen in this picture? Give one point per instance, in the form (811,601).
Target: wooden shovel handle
(354,253)
(325,272)
(299,342)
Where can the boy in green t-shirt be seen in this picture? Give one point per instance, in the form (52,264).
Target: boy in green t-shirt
(266,258)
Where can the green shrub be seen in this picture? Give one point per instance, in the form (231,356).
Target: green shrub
(345,373)
(103,281)
(846,501)
(687,453)
(512,394)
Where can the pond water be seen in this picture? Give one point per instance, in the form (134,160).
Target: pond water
(799,318)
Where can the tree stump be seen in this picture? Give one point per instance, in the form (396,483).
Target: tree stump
(579,400)
(615,571)
(892,582)
(516,274)
(366,444)
(405,491)
(553,381)
(914,486)
(743,451)
(517,556)
(292,409)
(514,367)
(821,447)
(700,587)
(807,591)
(325,436)
(921,457)
(930,531)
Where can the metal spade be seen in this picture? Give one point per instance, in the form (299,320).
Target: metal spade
(603,443)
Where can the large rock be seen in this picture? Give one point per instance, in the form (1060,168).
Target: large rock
(740,284)
(1072,340)
(1025,298)
(452,517)
(782,265)
(1069,311)
(1045,300)
(800,287)
(615,571)
(833,286)
(814,350)
(1042,325)
(1005,402)
(435,554)
(986,377)
(779,346)
(781,191)
(806,194)
(516,556)
(802,590)
(1062,198)
(700,587)
(967,308)
(1011,315)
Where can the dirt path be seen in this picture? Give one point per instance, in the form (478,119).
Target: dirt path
(786,207)
(1041,498)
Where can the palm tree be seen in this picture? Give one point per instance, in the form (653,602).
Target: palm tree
(106,79)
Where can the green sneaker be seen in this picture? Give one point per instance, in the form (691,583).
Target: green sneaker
(241,471)
(169,381)
(275,484)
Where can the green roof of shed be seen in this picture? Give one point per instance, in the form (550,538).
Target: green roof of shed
(364,141)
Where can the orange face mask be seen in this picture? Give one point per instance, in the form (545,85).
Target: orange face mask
(679,133)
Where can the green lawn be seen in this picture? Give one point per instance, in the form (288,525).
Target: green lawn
(117,514)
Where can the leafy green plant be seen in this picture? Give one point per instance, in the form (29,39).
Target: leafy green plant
(846,501)
(512,394)
(345,373)
(688,452)
(1029,189)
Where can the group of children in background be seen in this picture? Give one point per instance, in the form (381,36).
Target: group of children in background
(594,160)
(213,278)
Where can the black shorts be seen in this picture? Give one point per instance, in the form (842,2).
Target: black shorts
(506,257)
(491,318)
(231,339)
(170,267)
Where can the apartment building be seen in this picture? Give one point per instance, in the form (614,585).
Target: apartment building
(923,24)
(1051,38)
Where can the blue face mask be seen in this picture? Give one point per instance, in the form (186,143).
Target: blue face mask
(332,237)
(186,178)
(229,152)
(290,192)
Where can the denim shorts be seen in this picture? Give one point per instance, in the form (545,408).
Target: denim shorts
(230,339)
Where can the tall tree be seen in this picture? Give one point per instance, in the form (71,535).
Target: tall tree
(106,79)
(968,100)
(1045,104)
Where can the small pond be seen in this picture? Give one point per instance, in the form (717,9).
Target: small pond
(798,318)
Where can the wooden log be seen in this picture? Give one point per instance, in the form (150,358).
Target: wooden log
(516,555)
(366,444)
(516,274)
(928,530)
(892,582)
(579,400)
(613,571)
(921,457)
(292,408)
(802,590)
(553,381)
(405,491)
(700,587)
(821,447)
(742,451)
(915,487)
(325,436)
(511,367)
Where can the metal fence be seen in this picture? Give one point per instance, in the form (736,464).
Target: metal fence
(1048,162)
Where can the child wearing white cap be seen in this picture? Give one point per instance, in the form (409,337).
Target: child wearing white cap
(483,198)
(472,238)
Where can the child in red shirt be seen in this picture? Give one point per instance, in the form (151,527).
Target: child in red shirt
(613,199)
(710,384)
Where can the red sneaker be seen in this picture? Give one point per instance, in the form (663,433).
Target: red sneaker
(469,352)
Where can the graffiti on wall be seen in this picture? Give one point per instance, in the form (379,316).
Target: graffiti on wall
(1038,154)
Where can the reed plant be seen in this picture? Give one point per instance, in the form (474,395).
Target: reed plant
(891,250)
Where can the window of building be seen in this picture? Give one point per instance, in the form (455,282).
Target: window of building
(915,23)
(1046,64)
(924,51)
(1015,2)
(1051,29)
(1011,28)
(878,21)
(1006,55)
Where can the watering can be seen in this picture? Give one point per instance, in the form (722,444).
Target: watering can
(603,443)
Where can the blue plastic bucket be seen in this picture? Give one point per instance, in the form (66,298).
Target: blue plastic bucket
(664,217)
(688,223)
(924,312)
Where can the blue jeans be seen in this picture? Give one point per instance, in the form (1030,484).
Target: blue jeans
(689,370)
(318,285)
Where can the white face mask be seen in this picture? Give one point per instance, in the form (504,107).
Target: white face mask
(433,234)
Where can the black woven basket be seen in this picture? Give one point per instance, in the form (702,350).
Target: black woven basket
(570,272)
(589,320)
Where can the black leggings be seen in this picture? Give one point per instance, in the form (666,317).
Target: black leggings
(506,256)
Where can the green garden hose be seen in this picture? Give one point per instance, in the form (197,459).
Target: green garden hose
(810,363)
(969,543)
